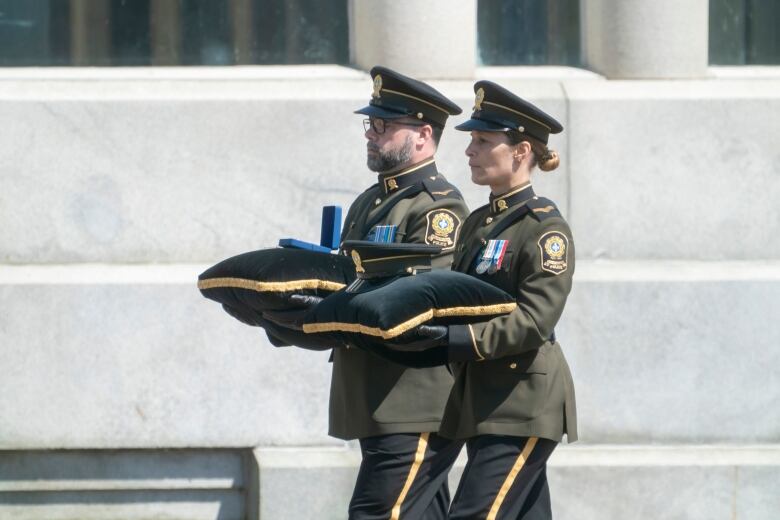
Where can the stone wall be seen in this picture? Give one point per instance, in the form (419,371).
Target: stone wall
(118,188)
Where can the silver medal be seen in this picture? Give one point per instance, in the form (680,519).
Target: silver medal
(483,266)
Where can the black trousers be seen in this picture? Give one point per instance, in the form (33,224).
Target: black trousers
(505,479)
(403,477)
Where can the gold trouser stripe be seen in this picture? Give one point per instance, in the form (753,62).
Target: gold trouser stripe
(254,285)
(422,445)
(480,310)
(510,479)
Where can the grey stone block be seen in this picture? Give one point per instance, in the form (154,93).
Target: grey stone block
(133,485)
(683,170)
(106,470)
(663,361)
(113,357)
(305,483)
(111,505)
(152,180)
(112,366)
(181,171)
(689,493)
(756,496)
(586,482)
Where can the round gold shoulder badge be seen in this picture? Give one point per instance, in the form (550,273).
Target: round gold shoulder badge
(442,229)
(554,249)
(443,224)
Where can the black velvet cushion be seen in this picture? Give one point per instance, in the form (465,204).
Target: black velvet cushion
(264,280)
(386,308)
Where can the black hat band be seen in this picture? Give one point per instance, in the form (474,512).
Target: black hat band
(410,105)
(521,114)
(416,99)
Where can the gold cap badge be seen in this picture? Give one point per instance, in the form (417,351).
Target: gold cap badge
(377,86)
(479,99)
(358,262)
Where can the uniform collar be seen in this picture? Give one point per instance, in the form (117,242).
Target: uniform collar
(393,181)
(501,203)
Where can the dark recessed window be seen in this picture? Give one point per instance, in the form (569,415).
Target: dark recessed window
(172,32)
(528,32)
(744,32)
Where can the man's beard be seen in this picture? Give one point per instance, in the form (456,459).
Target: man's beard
(387,161)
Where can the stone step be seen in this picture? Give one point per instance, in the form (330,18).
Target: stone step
(599,482)
(134,357)
(126,485)
(587,482)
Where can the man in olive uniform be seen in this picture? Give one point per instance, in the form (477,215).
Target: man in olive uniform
(395,410)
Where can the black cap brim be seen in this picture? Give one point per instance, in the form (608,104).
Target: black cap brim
(481,125)
(379,112)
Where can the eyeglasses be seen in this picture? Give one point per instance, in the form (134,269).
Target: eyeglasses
(380,125)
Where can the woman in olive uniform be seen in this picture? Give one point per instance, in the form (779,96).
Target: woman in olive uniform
(513,397)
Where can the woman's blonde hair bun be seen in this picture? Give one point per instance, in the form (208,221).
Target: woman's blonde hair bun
(549,160)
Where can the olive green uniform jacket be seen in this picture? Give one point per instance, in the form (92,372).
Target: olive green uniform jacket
(369,395)
(512,378)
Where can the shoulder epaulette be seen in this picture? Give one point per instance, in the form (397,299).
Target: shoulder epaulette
(440,188)
(542,208)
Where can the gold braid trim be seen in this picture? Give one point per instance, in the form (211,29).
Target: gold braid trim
(480,310)
(498,308)
(254,285)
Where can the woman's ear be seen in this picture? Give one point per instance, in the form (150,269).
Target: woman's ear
(522,149)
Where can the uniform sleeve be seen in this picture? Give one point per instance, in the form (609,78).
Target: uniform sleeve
(546,265)
(438,223)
